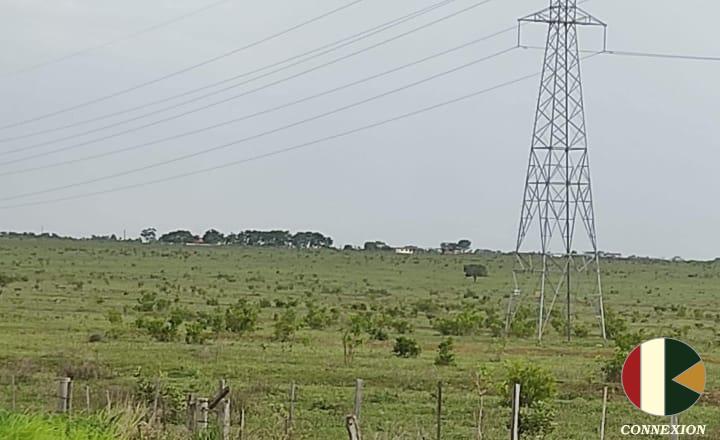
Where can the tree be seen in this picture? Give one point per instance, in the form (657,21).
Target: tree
(310,240)
(213,236)
(475,271)
(464,245)
(177,237)
(149,235)
(376,246)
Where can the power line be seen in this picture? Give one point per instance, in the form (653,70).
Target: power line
(118,40)
(263,134)
(213,104)
(259,113)
(335,45)
(281,151)
(625,53)
(183,70)
(675,56)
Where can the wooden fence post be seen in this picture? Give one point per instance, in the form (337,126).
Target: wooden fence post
(358,399)
(87,398)
(291,410)
(353,427)
(603,420)
(224,414)
(439,410)
(64,395)
(13,391)
(225,419)
(515,425)
(191,415)
(203,409)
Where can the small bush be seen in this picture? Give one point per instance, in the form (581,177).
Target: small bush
(402,326)
(319,318)
(445,354)
(615,325)
(406,347)
(241,318)
(537,384)
(215,321)
(159,329)
(538,390)
(537,422)
(195,333)
(465,323)
(581,330)
(286,326)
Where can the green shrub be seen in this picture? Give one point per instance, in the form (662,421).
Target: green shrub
(195,333)
(215,321)
(465,323)
(159,329)
(537,392)
(319,318)
(402,326)
(286,326)
(581,330)
(241,318)
(494,323)
(537,421)
(406,347)
(523,324)
(615,324)
(537,384)
(149,302)
(445,354)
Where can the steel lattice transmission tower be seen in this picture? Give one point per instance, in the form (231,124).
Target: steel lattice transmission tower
(557,189)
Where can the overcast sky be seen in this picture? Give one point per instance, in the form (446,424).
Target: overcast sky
(457,172)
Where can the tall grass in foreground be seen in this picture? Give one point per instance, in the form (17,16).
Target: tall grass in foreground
(119,424)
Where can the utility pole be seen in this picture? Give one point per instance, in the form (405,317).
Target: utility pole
(557,187)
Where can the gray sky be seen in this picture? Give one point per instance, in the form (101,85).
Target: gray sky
(453,173)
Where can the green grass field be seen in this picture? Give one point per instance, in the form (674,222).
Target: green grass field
(58,293)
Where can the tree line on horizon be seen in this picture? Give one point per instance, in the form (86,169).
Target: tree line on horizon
(250,238)
(275,238)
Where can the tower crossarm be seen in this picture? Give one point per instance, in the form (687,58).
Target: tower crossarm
(557,15)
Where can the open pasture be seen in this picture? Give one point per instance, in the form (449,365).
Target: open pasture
(125,318)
